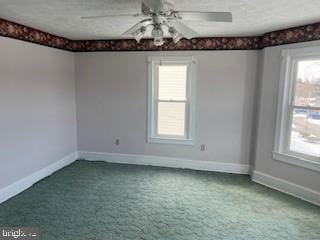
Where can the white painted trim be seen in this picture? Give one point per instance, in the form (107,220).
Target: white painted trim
(191,62)
(251,171)
(281,151)
(281,185)
(165,162)
(170,141)
(258,177)
(303,51)
(297,161)
(26,182)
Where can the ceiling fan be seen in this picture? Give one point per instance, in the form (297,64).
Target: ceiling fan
(161,18)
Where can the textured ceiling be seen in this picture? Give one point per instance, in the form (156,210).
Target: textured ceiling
(250,17)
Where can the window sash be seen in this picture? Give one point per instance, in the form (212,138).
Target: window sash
(293,77)
(153,100)
(288,133)
(157,74)
(157,100)
(305,107)
(156,78)
(286,106)
(186,119)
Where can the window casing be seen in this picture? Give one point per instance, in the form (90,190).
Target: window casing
(297,136)
(171,100)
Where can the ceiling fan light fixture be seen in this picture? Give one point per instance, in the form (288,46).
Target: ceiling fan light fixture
(139,34)
(158,42)
(157,34)
(176,36)
(157,14)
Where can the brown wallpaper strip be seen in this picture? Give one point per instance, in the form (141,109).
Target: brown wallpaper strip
(18,31)
(305,33)
(293,35)
(231,43)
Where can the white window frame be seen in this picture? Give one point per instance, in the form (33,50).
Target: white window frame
(153,62)
(282,152)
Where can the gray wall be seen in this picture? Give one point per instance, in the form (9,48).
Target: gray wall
(270,76)
(37,108)
(38,112)
(112,103)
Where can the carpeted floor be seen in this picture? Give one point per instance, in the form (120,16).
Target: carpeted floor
(97,200)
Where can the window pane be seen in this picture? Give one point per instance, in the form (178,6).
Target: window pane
(172,82)
(305,134)
(307,91)
(171,118)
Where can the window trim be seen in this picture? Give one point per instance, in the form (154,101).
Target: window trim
(281,151)
(190,108)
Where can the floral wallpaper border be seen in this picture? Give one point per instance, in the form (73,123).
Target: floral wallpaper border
(310,32)
(21,32)
(292,35)
(231,43)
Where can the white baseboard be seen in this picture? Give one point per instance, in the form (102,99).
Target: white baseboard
(258,177)
(26,182)
(251,171)
(165,162)
(281,185)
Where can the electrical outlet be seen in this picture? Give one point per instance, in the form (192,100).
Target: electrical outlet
(117,142)
(203,147)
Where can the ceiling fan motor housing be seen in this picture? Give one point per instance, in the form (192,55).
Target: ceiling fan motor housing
(161,18)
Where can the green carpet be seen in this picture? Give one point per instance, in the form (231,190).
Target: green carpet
(97,200)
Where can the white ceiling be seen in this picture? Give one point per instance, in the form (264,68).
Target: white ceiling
(250,17)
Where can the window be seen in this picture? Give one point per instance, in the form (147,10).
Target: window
(298,122)
(171,99)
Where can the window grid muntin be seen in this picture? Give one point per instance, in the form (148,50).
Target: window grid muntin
(293,67)
(191,61)
(156,99)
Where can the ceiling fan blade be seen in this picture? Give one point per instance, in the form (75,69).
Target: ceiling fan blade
(112,15)
(184,30)
(140,24)
(205,16)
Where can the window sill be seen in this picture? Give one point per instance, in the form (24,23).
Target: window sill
(297,161)
(170,141)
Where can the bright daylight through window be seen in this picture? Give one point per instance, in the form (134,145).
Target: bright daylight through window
(305,130)
(170,100)
(298,122)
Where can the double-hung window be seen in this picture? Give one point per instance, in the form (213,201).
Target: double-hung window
(297,137)
(171,99)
